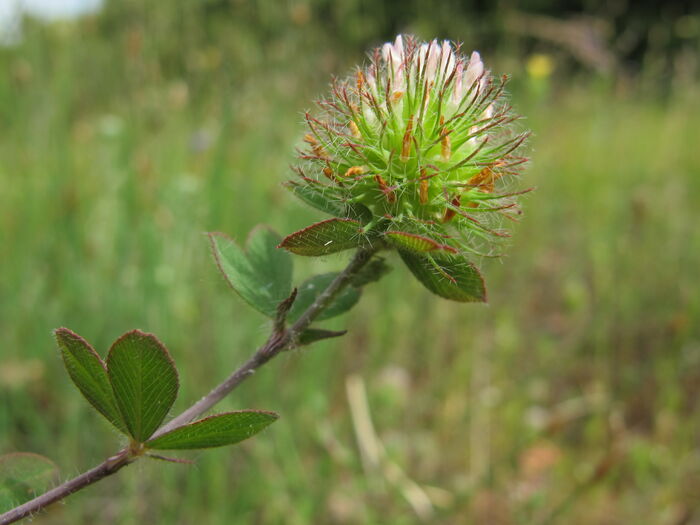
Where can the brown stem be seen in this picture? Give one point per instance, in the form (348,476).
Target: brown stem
(277,342)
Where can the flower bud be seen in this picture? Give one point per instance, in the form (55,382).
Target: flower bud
(420,141)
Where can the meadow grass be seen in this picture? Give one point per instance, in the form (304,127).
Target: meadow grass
(587,357)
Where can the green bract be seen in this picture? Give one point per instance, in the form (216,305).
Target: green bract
(419,149)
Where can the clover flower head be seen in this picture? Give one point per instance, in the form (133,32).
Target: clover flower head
(419,151)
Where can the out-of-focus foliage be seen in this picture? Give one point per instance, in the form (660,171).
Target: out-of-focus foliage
(125,135)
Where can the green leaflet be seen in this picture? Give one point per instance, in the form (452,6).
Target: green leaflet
(144,380)
(89,373)
(215,431)
(325,237)
(451,277)
(416,243)
(315,198)
(261,275)
(328,200)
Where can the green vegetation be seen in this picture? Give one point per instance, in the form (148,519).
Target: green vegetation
(575,392)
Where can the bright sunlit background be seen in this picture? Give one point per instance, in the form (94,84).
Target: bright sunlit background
(129,127)
(12,12)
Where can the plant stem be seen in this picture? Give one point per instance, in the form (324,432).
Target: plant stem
(277,342)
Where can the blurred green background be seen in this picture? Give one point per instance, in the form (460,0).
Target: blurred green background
(572,397)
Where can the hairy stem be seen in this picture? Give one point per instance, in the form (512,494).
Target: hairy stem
(278,341)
